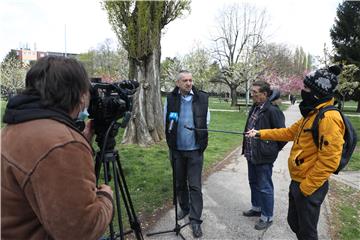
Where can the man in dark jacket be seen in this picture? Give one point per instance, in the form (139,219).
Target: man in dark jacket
(310,166)
(48,188)
(260,155)
(186,146)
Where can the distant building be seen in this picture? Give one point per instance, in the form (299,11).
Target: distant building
(70,55)
(40,54)
(27,55)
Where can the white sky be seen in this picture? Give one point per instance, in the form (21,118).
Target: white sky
(42,23)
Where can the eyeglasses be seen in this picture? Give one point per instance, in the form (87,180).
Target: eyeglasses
(253,92)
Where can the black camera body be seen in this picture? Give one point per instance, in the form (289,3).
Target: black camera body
(109,102)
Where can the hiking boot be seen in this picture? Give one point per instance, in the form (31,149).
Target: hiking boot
(182,214)
(196,229)
(261,225)
(251,213)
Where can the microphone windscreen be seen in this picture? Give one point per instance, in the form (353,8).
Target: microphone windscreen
(173,116)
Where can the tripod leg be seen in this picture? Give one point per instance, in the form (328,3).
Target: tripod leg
(173,165)
(109,158)
(97,168)
(117,195)
(134,222)
(106,179)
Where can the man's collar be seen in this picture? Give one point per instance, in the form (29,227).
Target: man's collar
(190,93)
(260,105)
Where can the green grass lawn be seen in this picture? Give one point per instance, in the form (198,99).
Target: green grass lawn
(345,208)
(215,103)
(2,109)
(345,201)
(354,164)
(350,108)
(351,103)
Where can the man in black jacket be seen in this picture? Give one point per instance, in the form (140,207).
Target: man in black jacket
(187,147)
(261,155)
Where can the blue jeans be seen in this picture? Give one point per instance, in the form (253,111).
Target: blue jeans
(262,189)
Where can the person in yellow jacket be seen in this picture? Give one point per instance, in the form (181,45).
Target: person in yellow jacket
(310,166)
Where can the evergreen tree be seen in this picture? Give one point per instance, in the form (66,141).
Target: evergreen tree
(300,60)
(345,35)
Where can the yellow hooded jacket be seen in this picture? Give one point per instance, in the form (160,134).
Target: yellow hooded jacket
(308,164)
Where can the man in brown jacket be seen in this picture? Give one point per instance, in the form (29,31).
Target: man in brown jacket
(48,186)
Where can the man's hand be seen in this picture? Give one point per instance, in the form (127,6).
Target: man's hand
(105,188)
(252,133)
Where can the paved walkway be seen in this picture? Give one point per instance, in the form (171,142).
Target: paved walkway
(353,115)
(350,178)
(226,194)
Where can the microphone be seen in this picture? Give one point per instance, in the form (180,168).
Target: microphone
(173,117)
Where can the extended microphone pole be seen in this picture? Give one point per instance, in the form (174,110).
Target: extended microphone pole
(173,117)
(209,130)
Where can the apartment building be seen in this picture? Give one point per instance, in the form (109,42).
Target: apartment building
(27,55)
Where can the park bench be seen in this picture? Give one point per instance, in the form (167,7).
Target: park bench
(224,99)
(241,104)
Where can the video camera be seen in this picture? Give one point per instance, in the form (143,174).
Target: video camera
(110,102)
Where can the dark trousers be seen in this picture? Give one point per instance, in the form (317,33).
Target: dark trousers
(188,182)
(303,214)
(262,188)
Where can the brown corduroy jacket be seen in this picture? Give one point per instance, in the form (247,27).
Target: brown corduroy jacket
(48,186)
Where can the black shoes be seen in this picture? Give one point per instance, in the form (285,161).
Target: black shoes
(261,225)
(251,213)
(182,214)
(196,229)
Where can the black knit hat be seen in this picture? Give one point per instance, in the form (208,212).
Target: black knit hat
(323,81)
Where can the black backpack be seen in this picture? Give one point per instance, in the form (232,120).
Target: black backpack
(350,136)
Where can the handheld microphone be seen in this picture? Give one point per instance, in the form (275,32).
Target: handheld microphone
(173,117)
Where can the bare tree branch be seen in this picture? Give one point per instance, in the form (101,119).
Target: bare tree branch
(240,37)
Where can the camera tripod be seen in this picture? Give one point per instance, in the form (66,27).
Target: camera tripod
(108,159)
(177,227)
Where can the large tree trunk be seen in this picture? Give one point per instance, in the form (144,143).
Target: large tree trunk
(233,96)
(146,124)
